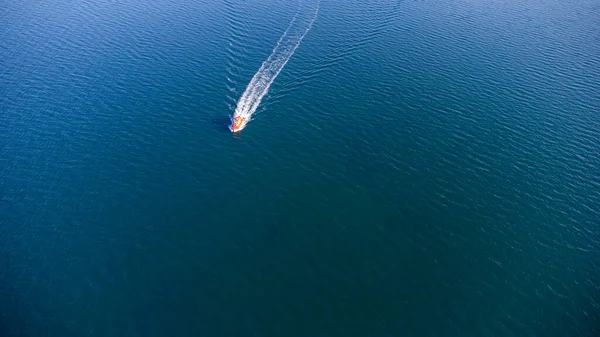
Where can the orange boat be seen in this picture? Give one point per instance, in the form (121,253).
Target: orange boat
(237,124)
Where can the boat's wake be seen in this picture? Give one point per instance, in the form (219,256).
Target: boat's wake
(264,77)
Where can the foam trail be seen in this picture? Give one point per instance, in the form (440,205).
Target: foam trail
(285,48)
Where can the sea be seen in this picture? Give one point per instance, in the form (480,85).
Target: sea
(408,168)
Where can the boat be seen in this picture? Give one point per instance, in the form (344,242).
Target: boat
(237,124)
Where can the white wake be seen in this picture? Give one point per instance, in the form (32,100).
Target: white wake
(285,48)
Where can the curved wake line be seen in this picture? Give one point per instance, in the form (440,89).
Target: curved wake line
(285,48)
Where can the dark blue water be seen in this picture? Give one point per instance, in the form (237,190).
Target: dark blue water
(418,168)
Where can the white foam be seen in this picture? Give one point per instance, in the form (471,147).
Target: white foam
(285,48)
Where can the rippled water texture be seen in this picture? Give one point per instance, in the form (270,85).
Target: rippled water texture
(417,168)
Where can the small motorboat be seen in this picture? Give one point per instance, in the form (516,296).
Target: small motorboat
(238,124)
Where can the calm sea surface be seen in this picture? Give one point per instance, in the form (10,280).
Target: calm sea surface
(418,168)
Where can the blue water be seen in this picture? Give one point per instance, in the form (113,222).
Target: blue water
(417,168)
